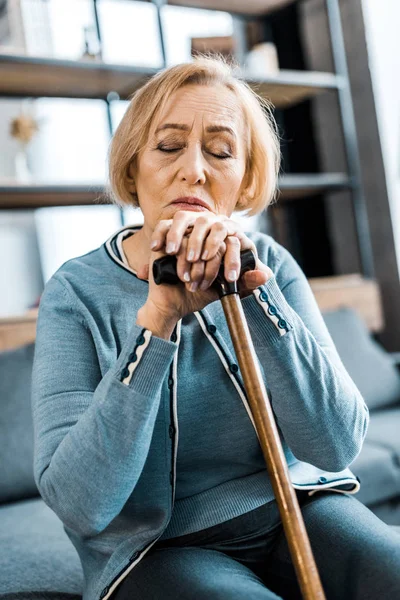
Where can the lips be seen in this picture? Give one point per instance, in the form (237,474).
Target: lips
(191,200)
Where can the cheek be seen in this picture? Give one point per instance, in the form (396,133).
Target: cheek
(232,177)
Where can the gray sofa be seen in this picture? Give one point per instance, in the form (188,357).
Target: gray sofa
(37,560)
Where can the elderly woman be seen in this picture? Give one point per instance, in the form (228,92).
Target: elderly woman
(145,446)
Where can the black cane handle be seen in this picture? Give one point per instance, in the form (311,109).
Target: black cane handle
(164,271)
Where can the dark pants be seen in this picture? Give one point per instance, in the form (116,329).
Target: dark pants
(247,558)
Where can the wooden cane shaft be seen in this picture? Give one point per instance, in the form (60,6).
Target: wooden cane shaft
(292,519)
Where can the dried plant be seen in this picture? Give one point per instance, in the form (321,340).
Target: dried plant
(23,128)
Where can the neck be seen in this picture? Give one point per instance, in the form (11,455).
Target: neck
(137,248)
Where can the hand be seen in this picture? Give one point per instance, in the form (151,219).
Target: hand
(207,232)
(199,241)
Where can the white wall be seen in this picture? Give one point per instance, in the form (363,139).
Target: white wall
(382,21)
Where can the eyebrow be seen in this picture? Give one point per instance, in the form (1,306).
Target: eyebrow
(209,129)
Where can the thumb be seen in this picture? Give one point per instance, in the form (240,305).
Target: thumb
(143,272)
(253,279)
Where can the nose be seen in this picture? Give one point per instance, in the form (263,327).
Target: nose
(192,165)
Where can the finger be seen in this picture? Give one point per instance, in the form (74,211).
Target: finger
(157,239)
(251,280)
(212,267)
(232,258)
(217,233)
(183,267)
(196,274)
(143,272)
(181,221)
(200,231)
(227,228)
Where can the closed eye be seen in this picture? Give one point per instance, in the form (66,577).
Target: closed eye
(221,156)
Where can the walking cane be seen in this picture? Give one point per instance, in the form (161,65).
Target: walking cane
(164,271)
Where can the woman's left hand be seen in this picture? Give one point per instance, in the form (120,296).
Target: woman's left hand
(206,232)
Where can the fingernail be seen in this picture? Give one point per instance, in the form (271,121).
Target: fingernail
(170,247)
(186,276)
(153,243)
(204,285)
(191,255)
(204,255)
(232,275)
(193,286)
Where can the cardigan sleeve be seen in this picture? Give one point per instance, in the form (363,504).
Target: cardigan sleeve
(92,433)
(318,407)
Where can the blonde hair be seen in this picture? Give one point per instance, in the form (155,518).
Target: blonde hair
(260,183)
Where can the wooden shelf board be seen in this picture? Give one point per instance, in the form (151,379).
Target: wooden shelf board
(23,196)
(250,7)
(22,76)
(48,77)
(42,195)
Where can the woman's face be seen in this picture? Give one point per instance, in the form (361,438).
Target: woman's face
(195,148)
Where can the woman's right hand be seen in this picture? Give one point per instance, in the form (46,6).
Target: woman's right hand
(167,304)
(223,240)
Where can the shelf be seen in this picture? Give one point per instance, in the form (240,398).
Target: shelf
(26,76)
(41,195)
(294,187)
(22,76)
(23,196)
(250,7)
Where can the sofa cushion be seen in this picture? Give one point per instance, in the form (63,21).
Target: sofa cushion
(388,512)
(16,428)
(384,431)
(379,474)
(368,364)
(38,560)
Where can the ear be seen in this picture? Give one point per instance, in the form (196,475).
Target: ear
(130,178)
(245,194)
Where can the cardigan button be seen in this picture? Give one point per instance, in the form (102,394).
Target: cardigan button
(264,297)
(125,373)
(282,323)
(174,337)
(133,356)
(104,592)
(134,555)
(170,382)
(322,480)
(140,339)
(272,310)
(211,328)
(171,431)
(233,368)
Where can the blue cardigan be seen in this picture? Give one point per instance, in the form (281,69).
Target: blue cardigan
(110,401)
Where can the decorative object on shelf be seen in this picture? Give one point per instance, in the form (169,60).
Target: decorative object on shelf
(92,46)
(224,45)
(262,60)
(12,35)
(23,128)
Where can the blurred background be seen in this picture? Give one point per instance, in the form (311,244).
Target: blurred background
(331,68)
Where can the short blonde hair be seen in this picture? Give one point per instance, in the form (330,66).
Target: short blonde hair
(260,183)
